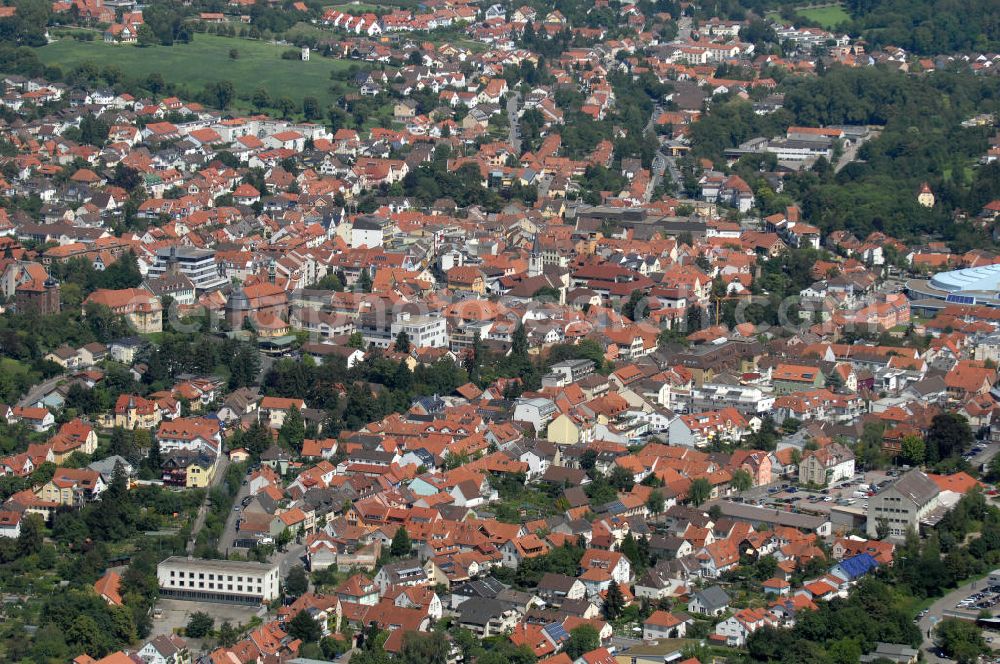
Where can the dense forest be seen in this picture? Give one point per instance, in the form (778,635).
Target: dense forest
(923,27)
(922,140)
(928,27)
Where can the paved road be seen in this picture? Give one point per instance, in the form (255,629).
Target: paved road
(623,643)
(851,153)
(229,532)
(669,167)
(199,520)
(39,391)
(295,555)
(513,120)
(657,110)
(936,613)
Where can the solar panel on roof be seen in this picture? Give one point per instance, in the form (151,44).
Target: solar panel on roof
(557,632)
(960,299)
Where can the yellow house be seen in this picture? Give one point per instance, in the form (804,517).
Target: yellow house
(134,412)
(72,487)
(569,430)
(73,436)
(469,279)
(141,308)
(200,473)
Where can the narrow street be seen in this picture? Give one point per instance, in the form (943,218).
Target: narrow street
(513,119)
(229,533)
(39,391)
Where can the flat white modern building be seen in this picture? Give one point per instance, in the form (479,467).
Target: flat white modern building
(198,265)
(423,331)
(747,399)
(227,581)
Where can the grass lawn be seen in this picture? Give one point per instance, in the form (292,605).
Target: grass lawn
(206,60)
(828,17)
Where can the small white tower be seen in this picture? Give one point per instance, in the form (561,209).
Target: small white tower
(536,264)
(926,196)
(305,54)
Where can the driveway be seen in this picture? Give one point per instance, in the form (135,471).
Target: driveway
(851,153)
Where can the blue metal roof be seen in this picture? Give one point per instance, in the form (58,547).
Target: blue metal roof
(858,565)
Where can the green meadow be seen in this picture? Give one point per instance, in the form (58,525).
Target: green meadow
(207,60)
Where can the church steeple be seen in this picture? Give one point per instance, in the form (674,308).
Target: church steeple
(535,262)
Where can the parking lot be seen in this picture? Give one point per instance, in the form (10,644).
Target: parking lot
(987,598)
(172,615)
(853,492)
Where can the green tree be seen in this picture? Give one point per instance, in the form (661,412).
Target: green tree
(629,308)
(742,480)
(221,93)
(310,108)
(948,436)
(655,501)
(912,450)
(296,582)
(621,479)
(285,106)
(293,429)
(94,130)
(582,639)
(614,602)
(631,549)
(960,640)
(519,342)
(199,625)
(401,545)
(364,283)
(260,99)
(146,37)
(228,635)
(425,648)
(304,626)
(699,491)
(30,540)
(402,344)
